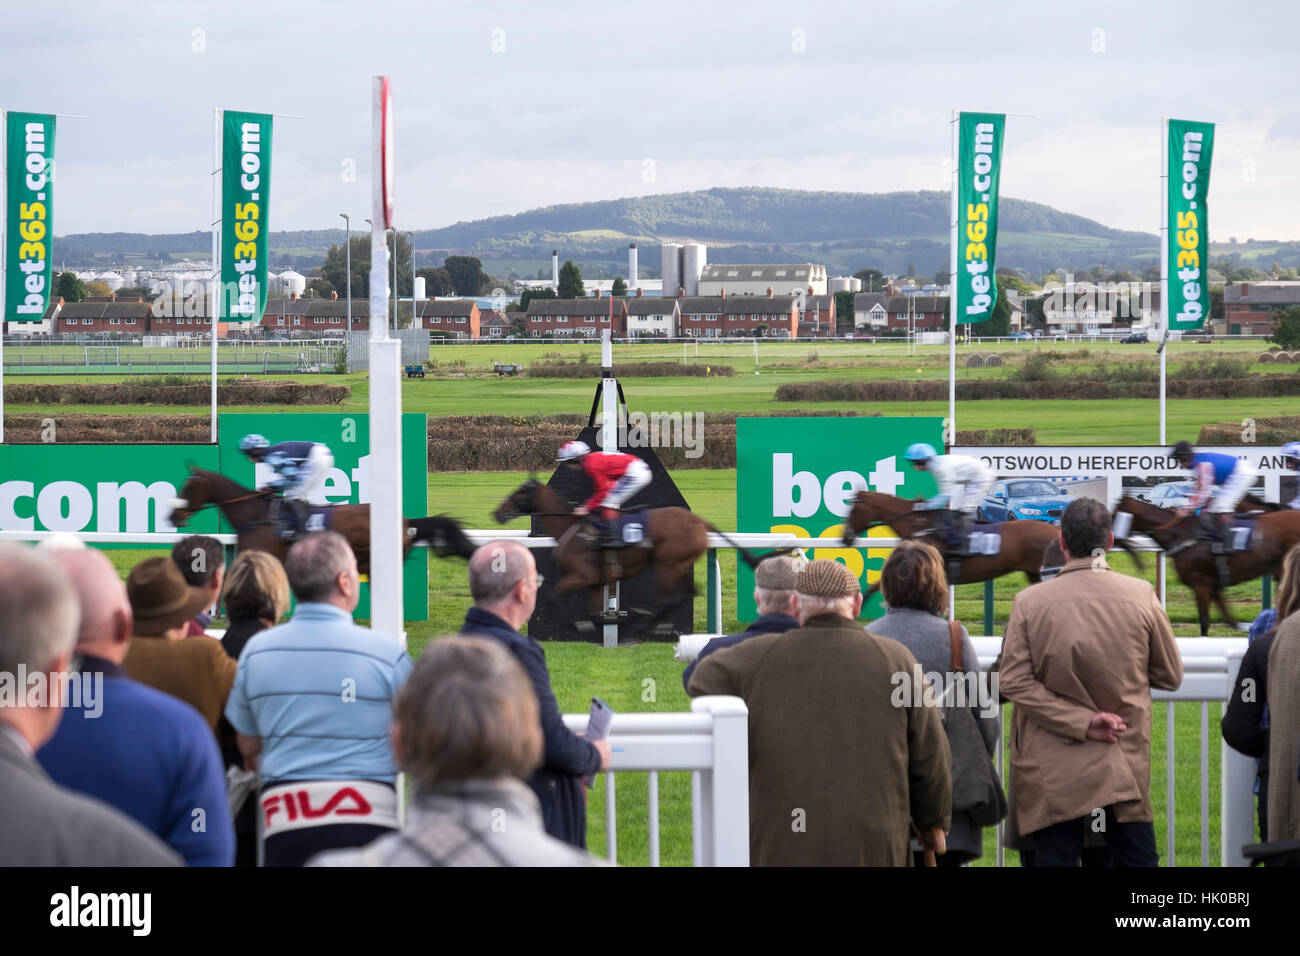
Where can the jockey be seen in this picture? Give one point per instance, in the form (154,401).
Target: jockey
(962,480)
(299,467)
(1291,454)
(1234,476)
(616,477)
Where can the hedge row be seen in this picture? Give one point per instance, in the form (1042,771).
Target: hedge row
(146,393)
(1268,431)
(1256,386)
(108,429)
(996,436)
(628,370)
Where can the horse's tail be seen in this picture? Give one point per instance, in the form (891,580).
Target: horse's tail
(444,536)
(753,560)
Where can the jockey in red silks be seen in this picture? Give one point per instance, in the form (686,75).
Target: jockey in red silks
(616,477)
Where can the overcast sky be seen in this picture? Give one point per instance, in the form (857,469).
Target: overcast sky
(503,107)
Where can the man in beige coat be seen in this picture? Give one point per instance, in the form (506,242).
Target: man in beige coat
(836,770)
(1284,731)
(1079,659)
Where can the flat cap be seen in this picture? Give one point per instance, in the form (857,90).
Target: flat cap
(827,579)
(777,574)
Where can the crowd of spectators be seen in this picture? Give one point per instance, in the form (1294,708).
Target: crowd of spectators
(152,743)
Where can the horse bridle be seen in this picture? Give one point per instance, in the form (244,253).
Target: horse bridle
(228,501)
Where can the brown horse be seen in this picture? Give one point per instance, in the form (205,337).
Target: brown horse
(249,513)
(1023,542)
(1276,532)
(675,539)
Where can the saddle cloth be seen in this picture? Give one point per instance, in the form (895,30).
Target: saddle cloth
(632,527)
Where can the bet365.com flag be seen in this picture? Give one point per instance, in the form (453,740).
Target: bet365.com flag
(979,164)
(29,201)
(245,199)
(1190,146)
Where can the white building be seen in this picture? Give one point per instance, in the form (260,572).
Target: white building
(791,279)
(652,317)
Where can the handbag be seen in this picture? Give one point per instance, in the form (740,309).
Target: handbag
(976,788)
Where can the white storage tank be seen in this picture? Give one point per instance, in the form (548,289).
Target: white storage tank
(671,268)
(419,288)
(694,259)
(839,284)
(291,282)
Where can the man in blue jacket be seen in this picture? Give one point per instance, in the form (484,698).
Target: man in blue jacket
(148,754)
(774,598)
(503,581)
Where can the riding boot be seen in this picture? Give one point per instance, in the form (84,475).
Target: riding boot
(301,515)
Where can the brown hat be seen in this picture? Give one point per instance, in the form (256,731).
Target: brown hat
(777,574)
(827,579)
(160,598)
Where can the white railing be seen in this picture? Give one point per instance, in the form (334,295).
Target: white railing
(1210,666)
(712,742)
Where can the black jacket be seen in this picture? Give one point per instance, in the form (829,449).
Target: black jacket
(567,757)
(1245,726)
(767,624)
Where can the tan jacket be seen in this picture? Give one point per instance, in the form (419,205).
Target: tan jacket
(196,669)
(836,771)
(1284,731)
(1086,641)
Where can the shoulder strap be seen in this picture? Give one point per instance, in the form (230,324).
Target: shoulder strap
(954,638)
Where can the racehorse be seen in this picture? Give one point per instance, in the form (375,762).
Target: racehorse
(1023,542)
(1276,532)
(249,513)
(675,539)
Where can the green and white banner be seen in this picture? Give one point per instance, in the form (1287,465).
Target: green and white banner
(245,198)
(800,476)
(979,165)
(29,199)
(1191,146)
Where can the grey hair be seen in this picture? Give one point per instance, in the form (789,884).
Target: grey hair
(770,601)
(809,605)
(495,569)
(39,611)
(315,563)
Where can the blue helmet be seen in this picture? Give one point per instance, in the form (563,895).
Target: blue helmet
(253,443)
(920,452)
(1291,450)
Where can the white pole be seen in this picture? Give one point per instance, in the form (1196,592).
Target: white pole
(385,405)
(1164,262)
(347,246)
(4,255)
(413,323)
(952,290)
(214,285)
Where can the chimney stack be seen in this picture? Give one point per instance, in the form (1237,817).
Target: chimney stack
(681,293)
(334,296)
(598,292)
(631,267)
(293,296)
(723,292)
(638,293)
(555,271)
(769,292)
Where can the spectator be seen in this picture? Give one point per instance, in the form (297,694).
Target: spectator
(198,672)
(503,582)
(202,562)
(915,587)
(1284,731)
(43,824)
(256,596)
(774,598)
(312,704)
(1080,656)
(137,749)
(836,769)
(467,732)
(1245,724)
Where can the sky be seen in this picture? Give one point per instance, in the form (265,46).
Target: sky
(504,107)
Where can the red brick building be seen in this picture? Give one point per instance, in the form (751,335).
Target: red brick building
(103,315)
(577,317)
(817,319)
(459,318)
(1248,307)
(774,316)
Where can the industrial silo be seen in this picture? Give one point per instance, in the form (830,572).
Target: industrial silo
(839,284)
(694,259)
(671,268)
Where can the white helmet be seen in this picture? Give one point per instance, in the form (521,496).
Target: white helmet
(573,449)
(1291,450)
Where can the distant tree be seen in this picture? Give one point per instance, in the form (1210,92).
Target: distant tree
(844,310)
(69,287)
(1000,323)
(1216,302)
(519,325)
(941,276)
(911,270)
(873,280)
(1016,283)
(334,269)
(97,290)
(570,282)
(1034,312)
(1151,274)
(760,330)
(319,289)
(530,294)
(619,287)
(1286,327)
(467,275)
(436,281)
(134,292)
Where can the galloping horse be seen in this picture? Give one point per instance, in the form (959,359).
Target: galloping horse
(1023,542)
(248,512)
(1276,532)
(675,538)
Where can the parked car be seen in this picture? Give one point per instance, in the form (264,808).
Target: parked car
(1171,494)
(1020,336)
(1134,338)
(1033,499)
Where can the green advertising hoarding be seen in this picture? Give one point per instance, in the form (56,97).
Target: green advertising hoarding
(245,201)
(1191,149)
(979,171)
(800,475)
(348,482)
(29,209)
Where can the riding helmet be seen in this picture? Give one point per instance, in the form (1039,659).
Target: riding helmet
(252,443)
(1183,448)
(920,452)
(1291,450)
(573,449)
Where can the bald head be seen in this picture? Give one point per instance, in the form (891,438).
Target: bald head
(502,581)
(105,611)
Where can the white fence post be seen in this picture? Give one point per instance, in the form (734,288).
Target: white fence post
(1237,796)
(727,787)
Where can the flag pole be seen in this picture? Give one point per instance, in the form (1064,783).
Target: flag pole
(214,284)
(1164,264)
(952,294)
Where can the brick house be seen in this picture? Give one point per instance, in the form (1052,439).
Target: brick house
(870,311)
(1248,307)
(652,317)
(284,315)
(493,324)
(873,311)
(817,318)
(459,318)
(129,316)
(586,317)
(739,315)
